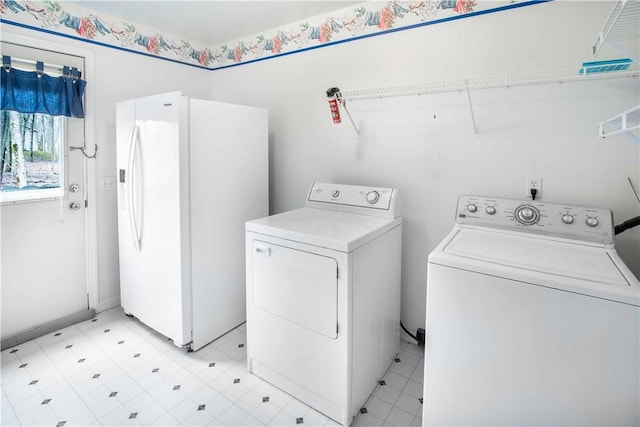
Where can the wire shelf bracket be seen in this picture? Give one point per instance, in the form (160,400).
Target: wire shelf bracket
(623,122)
(473,117)
(343,104)
(621,25)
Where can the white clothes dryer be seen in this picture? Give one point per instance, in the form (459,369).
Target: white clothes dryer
(532,319)
(323,296)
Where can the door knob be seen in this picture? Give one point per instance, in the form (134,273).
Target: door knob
(74,188)
(74,206)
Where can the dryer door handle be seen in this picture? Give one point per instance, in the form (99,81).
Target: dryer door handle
(263,250)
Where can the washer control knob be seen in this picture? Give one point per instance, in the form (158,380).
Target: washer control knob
(527,214)
(567,219)
(373,197)
(490,210)
(335,194)
(592,221)
(472,208)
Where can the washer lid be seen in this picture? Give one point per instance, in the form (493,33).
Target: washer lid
(547,256)
(335,230)
(562,264)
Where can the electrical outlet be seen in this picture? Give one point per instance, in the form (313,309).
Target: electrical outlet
(534,183)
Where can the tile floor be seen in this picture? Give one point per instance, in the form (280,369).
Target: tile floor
(114,371)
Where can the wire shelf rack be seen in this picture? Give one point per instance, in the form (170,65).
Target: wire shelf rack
(622,24)
(583,73)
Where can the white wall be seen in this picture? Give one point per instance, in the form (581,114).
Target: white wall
(119,76)
(425,146)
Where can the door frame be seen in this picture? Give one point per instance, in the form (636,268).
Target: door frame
(90,211)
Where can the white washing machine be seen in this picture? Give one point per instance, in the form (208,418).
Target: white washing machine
(532,319)
(323,296)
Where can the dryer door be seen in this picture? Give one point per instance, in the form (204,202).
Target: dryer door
(300,287)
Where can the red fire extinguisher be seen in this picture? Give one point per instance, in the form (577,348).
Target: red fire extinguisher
(334,98)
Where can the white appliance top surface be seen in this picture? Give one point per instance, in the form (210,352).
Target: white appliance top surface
(547,256)
(562,246)
(341,231)
(557,263)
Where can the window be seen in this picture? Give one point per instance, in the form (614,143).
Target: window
(32,158)
(34,147)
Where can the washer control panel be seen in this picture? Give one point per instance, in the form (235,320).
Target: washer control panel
(375,201)
(576,222)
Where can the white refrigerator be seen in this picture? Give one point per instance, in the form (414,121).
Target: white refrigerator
(190,174)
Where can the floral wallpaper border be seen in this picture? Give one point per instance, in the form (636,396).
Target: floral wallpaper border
(353,23)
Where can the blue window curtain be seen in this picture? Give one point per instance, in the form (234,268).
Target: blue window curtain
(36,92)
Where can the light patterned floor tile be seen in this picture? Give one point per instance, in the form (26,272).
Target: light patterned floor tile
(387,393)
(378,408)
(113,370)
(165,420)
(120,416)
(408,403)
(265,412)
(249,401)
(283,419)
(367,420)
(199,418)
(76,415)
(233,416)
(395,380)
(315,418)
(399,418)
(413,388)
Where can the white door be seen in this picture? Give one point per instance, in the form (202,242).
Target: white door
(300,287)
(131,295)
(44,275)
(152,215)
(43,258)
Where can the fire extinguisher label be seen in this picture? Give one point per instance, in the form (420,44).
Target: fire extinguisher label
(335,111)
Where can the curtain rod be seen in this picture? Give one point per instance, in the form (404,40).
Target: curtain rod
(30,65)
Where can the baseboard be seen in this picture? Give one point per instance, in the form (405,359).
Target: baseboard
(47,328)
(107,304)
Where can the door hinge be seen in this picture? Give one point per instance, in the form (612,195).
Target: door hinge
(337,275)
(337,328)
(86,203)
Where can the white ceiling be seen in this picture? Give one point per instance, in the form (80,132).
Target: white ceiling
(212,21)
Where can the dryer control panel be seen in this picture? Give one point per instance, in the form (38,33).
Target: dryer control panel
(574,222)
(374,201)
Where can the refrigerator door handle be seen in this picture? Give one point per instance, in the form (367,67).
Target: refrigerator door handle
(133,176)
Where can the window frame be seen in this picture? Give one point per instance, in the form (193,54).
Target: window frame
(45,194)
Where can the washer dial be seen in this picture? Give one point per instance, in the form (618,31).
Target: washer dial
(372,197)
(592,221)
(472,208)
(567,218)
(490,210)
(527,214)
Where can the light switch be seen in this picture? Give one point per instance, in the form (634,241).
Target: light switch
(108,183)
